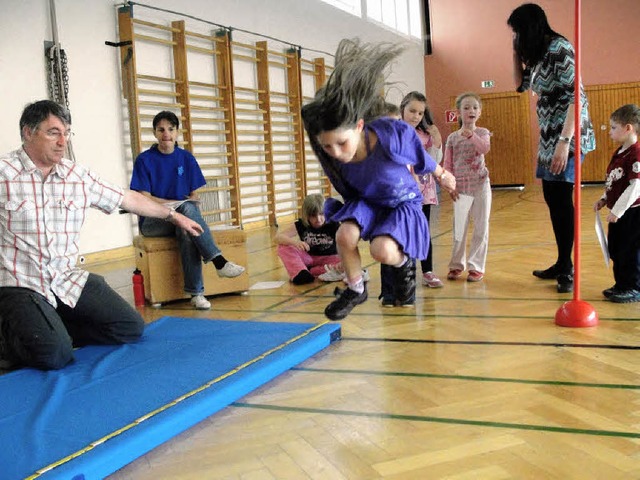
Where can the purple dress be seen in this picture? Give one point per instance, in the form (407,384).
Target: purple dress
(380,193)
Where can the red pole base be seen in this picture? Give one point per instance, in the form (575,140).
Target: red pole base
(577,314)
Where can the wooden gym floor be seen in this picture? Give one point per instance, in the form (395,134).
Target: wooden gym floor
(475,382)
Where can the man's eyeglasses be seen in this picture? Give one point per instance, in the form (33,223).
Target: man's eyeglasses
(55,134)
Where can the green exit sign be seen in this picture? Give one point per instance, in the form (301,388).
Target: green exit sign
(488,83)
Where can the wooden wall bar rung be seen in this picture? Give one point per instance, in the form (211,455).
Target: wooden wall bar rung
(215,155)
(217,211)
(137,21)
(255,163)
(244,57)
(255,184)
(207,51)
(248,46)
(208,109)
(205,85)
(213,189)
(210,143)
(249,121)
(247,101)
(250,90)
(273,63)
(159,104)
(211,120)
(282,104)
(149,38)
(248,110)
(253,195)
(157,79)
(252,152)
(147,91)
(212,98)
(210,38)
(278,54)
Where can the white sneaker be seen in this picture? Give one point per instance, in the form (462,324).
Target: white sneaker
(331,274)
(200,302)
(365,276)
(230,270)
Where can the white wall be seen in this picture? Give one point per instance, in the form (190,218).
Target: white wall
(94,92)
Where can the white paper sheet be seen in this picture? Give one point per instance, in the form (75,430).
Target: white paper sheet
(602,239)
(266,285)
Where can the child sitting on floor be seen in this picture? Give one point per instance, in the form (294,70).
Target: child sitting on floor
(309,244)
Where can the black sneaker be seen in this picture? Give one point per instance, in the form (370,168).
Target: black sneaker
(387,301)
(610,291)
(344,303)
(404,288)
(565,283)
(625,296)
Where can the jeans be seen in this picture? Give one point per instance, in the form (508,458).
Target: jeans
(35,334)
(193,250)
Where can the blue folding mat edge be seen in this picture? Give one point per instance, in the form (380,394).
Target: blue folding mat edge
(116,403)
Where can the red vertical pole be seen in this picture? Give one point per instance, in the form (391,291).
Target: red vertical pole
(576,159)
(577,313)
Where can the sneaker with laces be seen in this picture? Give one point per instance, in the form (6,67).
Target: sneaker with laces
(625,296)
(454,274)
(344,303)
(331,274)
(230,270)
(475,276)
(200,302)
(404,287)
(430,280)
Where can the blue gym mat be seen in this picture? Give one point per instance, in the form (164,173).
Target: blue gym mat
(114,404)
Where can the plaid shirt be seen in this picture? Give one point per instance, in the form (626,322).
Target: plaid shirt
(40,223)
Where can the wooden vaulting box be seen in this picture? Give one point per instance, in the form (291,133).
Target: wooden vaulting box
(159,261)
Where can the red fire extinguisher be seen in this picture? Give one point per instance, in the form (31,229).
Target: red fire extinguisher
(138,288)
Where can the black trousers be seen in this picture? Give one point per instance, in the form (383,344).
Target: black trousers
(624,248)
(427,263)
(35,334)
(559,199)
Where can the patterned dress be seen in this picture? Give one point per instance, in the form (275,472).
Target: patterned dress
(553,81)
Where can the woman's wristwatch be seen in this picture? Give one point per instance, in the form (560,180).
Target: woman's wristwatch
(564,139)
(442,175)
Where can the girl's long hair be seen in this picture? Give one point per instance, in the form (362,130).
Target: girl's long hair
(427,119)
(353,91)
(533,33)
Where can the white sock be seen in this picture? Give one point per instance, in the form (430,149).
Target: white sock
(404,260)
(358,285)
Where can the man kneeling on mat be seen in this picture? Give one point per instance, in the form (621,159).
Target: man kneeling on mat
(47,305)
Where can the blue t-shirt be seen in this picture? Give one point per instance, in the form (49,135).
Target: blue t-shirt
(172,176)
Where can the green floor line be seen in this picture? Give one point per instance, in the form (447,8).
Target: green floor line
(452,421)
(411,313)
(471,378)
(493,343)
